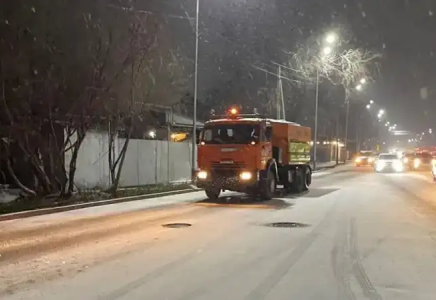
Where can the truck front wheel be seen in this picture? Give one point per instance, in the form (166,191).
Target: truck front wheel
(213,194)
(268,187)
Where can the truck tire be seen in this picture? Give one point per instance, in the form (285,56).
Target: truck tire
(307,178)
(300,180)
(268,187)
(213,194)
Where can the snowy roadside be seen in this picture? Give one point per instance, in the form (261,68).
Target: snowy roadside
(120,205)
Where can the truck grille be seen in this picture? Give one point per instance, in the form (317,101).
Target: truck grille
(227,166)
(226,170)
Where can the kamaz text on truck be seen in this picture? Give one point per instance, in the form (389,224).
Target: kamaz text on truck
(254,155)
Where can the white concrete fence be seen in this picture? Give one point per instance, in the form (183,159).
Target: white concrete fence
(147,162)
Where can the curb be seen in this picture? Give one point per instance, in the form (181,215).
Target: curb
(57,209)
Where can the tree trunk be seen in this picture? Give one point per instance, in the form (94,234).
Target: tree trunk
(73,162)
(17,181)
(120,164)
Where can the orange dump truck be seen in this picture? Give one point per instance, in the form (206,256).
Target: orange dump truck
(254,155)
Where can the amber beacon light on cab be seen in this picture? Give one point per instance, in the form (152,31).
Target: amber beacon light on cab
(252,154)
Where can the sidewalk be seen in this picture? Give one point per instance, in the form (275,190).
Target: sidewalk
(324,165)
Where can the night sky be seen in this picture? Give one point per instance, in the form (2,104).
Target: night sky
(237,34)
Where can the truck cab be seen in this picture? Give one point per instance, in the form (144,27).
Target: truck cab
(252,154)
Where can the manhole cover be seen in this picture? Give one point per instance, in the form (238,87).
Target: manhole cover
(177,225)
(288,224)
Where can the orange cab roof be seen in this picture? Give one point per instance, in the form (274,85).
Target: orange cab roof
(249,120)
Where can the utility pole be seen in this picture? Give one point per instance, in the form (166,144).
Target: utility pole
(346,129)
(194,119)
(281,93)
(315,134)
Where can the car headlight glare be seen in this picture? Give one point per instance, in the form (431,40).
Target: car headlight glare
(398,166)
(245,175)
(416,162)
(202,175)
(380,165)
(371,159)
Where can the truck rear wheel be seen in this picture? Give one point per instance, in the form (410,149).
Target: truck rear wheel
(213,194)
(300,185)
(307,178)
(268,187)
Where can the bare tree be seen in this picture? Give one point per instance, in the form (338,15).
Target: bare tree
(153,78)
(55,79)
(344,68)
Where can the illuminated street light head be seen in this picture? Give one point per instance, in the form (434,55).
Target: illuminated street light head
(359,87)
(327,50)
(331,38)
(368,106)
(363,81)
(381,112)
(371,101)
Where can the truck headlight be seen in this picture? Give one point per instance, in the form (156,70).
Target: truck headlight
(202,175)
(246,175)
(416,162)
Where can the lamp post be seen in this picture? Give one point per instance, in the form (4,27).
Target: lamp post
(330,39)
(194,119)
(359,87)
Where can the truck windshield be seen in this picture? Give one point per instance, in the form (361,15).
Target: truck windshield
(231,133)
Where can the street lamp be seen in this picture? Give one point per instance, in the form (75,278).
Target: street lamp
(371,101)
(326,50)
(381,112)
(359,87)
(331,38)
(362,81)
(368,106)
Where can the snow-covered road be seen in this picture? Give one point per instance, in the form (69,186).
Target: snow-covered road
(356,235)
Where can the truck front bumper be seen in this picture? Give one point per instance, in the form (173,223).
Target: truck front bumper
(243,181)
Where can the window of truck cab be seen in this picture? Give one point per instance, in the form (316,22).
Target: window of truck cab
(231,133)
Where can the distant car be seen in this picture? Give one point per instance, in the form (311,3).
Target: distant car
(365,158)
(387,162)
(421,162)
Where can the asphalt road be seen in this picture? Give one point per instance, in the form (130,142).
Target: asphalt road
(356,235)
